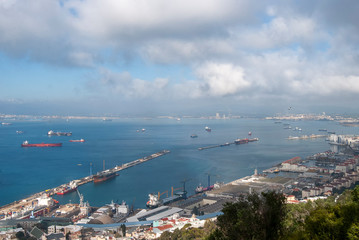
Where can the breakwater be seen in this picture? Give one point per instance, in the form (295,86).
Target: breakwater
(18,205)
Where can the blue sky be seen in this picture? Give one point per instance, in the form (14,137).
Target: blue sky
(158,57)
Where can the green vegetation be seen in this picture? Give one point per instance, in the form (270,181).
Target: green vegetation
(266,216)
(187,233)
(257,216)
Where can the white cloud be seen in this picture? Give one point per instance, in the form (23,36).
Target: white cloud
(221,79)
(280,32)
(234,48)
(123,85)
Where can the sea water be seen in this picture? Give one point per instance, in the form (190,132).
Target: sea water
(25,171)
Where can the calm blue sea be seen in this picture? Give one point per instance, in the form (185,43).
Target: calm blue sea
(24,171)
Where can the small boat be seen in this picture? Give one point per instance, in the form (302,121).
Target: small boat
(79,140)
(208,129)
(194,136)
(249,133)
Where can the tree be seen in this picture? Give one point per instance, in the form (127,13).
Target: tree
(256,216)
(20,235)
(335,221)
(123,229)
(353,231)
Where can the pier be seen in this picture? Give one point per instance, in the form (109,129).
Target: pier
(237,142)
(15,206)
(214,146)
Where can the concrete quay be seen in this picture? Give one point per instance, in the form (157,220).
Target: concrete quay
(18,205)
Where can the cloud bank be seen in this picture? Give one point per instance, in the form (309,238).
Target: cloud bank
(233,50)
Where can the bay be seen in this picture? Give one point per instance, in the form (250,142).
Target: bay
(24,171)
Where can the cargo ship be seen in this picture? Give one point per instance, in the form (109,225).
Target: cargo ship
(52,133)
(245,140)
(154,200)
(72,186)
(79,140)
(200,189)
(27,144)
(103,176)
(241,141)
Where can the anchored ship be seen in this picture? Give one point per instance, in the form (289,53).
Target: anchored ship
(27,144)
(103,176)
(52,133)
(79,140)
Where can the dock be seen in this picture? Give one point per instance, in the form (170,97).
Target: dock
(50,192)
(237,142)
(215,146)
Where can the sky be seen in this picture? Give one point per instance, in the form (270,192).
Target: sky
(160,57)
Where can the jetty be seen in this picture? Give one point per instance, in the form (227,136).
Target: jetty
(50,192)
(214,146)
(237,142)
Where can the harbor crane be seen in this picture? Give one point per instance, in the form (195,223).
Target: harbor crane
(209,178)
(81,198)
(174,189)
(160,194)
(184,187)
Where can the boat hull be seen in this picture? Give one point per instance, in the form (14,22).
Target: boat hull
(66,191)
(42,145)
(102,178)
